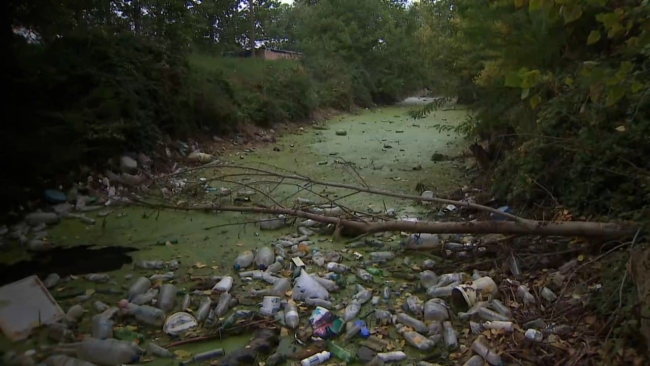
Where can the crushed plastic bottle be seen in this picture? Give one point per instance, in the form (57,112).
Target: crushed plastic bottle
(291,316)
(224,285)
(204,309)
(140,286)
(352,310)
(364,275)
(143,264)
(409,321)
(109,351)
(337,267)
(167,297)
(480,348)
(416,339)
(223,304)
(146,298)
(147,314)
(449,335)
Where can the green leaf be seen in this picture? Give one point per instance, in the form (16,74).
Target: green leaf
(534,101)
(524,93)
(636,87)
(597,2)
(594,37)
(531,79)
(535,5)
(568,81)
(571,12)
(615,94)
(513,80)
(519,3)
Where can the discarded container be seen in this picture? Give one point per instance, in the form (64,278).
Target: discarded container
(325,323)
(147,314)
(205,356)
(140,286)
(179,323)
(548,295)
(499,325)
(223,304)
(74,315)
(501,308)
(466,295)
(395,356)
(449,335)
(407,320)
(63,360)
(435,309)
(270,305)
(524,293)
(158,351)
(490,315)
(109,351)
(316,359)
(417,340)
(26,304)
(381,256)
(422,242)
(244,260)
(264,257)
(481,349)
(534,335)
(224,285)
(102,327)
(291,316)
(167,297)
(475,360)
(36,218)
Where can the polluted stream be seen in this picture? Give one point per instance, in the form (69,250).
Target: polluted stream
(393,300)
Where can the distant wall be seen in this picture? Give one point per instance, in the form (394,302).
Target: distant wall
(277,55)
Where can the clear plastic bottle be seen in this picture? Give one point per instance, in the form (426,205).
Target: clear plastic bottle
(449,335)
(428,279)
(364,275)
(500,308)
(167,297)
(158,351)
(363,296)
(328,284)
(140,286)
(524,293)
(145,298)
(264,257)
(352,310)
(74,315)
(409,321)
(102,327)
(386,293)
(422,242)
(63,360)
(441,291)
(223,304)
(490,315)
(244,260)
(381,256)
(109,351)
(275,267)
(98,277)
(187,302)
(395,356)
(313,301)
(435,309)
(415,305)
(147,314)
(337,267)
(508,327)
(475,360)
(100,306)
(224,285)
(291,316)
(534,335)
(481,349)
(204,309)
(417,340)
(150,264)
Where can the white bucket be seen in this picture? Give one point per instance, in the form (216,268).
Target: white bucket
(467,295)
(270,305)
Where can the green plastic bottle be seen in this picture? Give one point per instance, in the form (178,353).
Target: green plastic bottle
(375,271)
(340,352)
(124,334)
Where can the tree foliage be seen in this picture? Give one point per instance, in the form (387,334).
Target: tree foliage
(565,83)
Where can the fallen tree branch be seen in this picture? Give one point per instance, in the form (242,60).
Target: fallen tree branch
(543,228)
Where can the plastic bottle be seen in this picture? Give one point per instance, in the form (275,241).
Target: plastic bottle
(145,298)
(187,302)
(352,328)
(435,309)
(223,286)
(500,308)
(386,293)
(102,327)
(312,301)
(435,328)
(63,360)
(140,286)
(316,359)
(499,325)
(475,360)
(381,256)
(534,335)
(205,356)
(109,351)
(340,352)
(158,351)
(291,316)
(275,267)
(352,310)
(417,340)
(244,260)
(383,316)
(415,305)
(481,349)
(328,284)
(524,293)
(395,356)
(364,275)
(422,242)
(167,297)
(100,306)
(256,274)
(363,296)
(150,264)
(74,315)
(490,315)
(428,279)
(449,335)
(264,257)
(147,314)
(408,320)
(337,267)
(548,295)
(60,333)
(442,291)
(223,304)
(98,277)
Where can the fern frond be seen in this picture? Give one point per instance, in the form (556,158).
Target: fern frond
(428,108)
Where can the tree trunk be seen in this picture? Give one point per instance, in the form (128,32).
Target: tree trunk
(251,35)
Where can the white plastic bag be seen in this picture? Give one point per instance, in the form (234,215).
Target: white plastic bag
(306,286)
